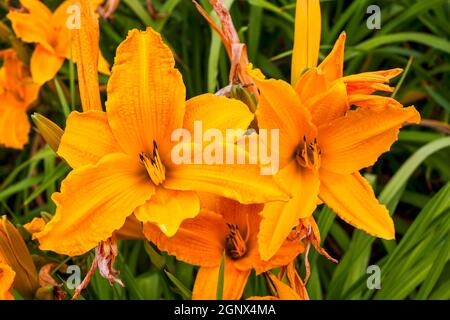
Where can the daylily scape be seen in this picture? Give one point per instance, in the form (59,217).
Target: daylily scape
(225,186)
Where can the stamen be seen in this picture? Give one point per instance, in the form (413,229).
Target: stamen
(235,245)
(308,154)
(153,165)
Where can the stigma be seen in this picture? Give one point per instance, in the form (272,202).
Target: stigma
(154,165)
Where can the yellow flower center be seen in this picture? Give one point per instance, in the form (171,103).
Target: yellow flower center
(153,165)
(308,154)
(235,246)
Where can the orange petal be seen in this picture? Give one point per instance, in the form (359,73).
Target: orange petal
(7,276)
(279,218)
(33,26)
(373,102)
(356,141)
(353,199)
(329,105)
(94,201)
(240,182)
(146,94)
(311,84)
(103,65)
(280,108)
(369,82)
(61,34)
(333,65)
(296,282)
(216,112)
(284,292)
(131,230)
(86,53)
(286,254)
(199,241)
(44,64)
(308,25)
(16,86)
(168,208)
(205,286)
(14,125)
(35,225)
(86,139)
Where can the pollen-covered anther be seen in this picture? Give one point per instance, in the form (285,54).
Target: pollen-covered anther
(154,165)
(308,154)
(236,246)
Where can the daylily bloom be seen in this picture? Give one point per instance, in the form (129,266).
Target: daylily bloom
(14,253)
(122,157)
(230,229)
(17,93)
(7,276)
(323,143)
(320,157)
(37,24)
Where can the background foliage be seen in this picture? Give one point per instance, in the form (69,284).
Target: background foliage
(412,180)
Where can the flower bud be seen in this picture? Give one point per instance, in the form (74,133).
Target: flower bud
(14,253)
(49,130)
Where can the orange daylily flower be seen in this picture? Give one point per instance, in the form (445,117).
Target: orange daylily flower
(320,157)
(324,144)
(17,93)
(232,228)
(122,157)
(7,276)
(37,24)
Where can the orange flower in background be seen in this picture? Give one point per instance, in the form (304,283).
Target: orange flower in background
(6,281)
(122,158)
(232,228)
(37,24)
(17,93)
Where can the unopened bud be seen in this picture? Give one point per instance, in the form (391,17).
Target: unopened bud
(49,130)
(14,253)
